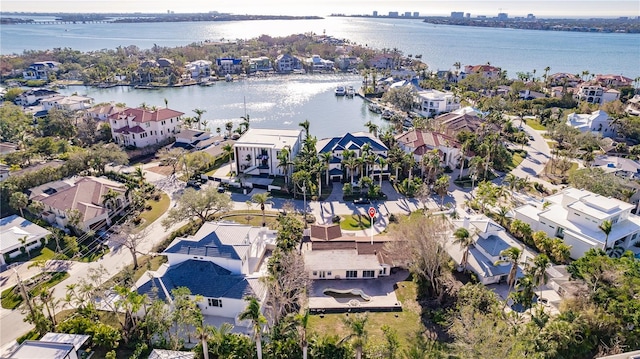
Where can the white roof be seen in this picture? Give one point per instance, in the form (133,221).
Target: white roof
(32,349)
(14,227)
(269,138)
(170,354)
(77,340)
(339,259)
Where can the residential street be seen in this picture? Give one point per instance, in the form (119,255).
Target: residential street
(11,322)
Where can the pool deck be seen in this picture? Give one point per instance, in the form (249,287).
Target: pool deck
(381,290)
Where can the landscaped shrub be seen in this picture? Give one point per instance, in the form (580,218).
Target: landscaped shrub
(393,218)
(336,219)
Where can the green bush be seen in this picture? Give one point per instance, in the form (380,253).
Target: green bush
(336,219)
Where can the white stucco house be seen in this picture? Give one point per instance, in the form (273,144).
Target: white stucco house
(31,97)
(13,231)
(489,240)
(287,63)
(433,102)
(84,195)
(595,93)
(103,111)
(40,70)
(140,127)
(598,122)
(574,215)
(223,263)
(69,103)
(199,69)
(256,151)
(316,63)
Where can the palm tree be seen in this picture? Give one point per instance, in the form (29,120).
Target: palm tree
(261,199)
(512,256)
(245,123)
(23,241)
(373,128)
(326,158)
(511,180)
(203,333)
(229,127)
(540,264)
(382,163)
(464,239)
(227,149)
(606,227)
(109,199)
(253,313)
(305,125)
(166,103)
(303,320)
(199,113)
(139,174)
(442,187)
(356,324)
(285,162)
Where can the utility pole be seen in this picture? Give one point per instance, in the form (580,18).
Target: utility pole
(25,296)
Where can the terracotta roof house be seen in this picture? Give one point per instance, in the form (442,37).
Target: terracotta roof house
(451,124)
(102,112)
(613,80)
(140,127)
(82,194)
(487,71)
(419,142)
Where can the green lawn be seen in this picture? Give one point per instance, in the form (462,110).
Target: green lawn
(355,222)
(516,160)
(252,218)
(406,323)
(11,297)
(46,254)
(535,124)
(157,209)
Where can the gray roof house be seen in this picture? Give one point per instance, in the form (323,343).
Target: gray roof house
(13,230)
(361,143)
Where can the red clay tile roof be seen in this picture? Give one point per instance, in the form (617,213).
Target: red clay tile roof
(141,115)
(423,141)
(326,232)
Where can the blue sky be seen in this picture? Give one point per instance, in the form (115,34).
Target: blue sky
(545,8)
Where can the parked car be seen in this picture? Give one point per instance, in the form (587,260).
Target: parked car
(193,184)
(361,200)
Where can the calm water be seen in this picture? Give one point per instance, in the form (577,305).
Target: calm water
(277,102)
(440,45)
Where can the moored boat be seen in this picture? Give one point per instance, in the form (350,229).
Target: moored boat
(340,91)
(350,91)
(374,107)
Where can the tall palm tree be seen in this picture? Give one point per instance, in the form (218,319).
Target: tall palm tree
(512,256)
(253,313)
(199,113)
(326,158)
(464,240)
(139,175)
(305,125)
(302,320)
(245,122)
(227,149)
(284,163)
(382,163)
(606,227)
(23,242)
(356,325)
(261,199)
(540,264)
(203,333)
(229,127)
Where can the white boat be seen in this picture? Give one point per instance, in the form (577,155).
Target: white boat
(350,91)
(340,91)
(374,107)
(228,78)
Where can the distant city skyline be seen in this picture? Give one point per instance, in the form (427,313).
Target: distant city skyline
(515,8)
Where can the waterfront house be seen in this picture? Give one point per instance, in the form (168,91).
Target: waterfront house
(193,139)
(633,106)
(34,96)
(364,145)
(54,346)
(330,255)
(103,111)
(419,142)
(40,70)
(16,233)
(139,127)
(598,122)
(199,69)
(484,257)
(347,62)
(316,63)
(595,93)
(68,103)
(222,263)
(261,63)
(86,195)
(165,65)
(433,102)
(286,63)
(563,79)
(256,151)
(226,66)
(486,71)
(574,215)
(613,81)
(383,61)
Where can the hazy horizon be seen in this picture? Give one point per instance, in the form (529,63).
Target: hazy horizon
(566,8)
